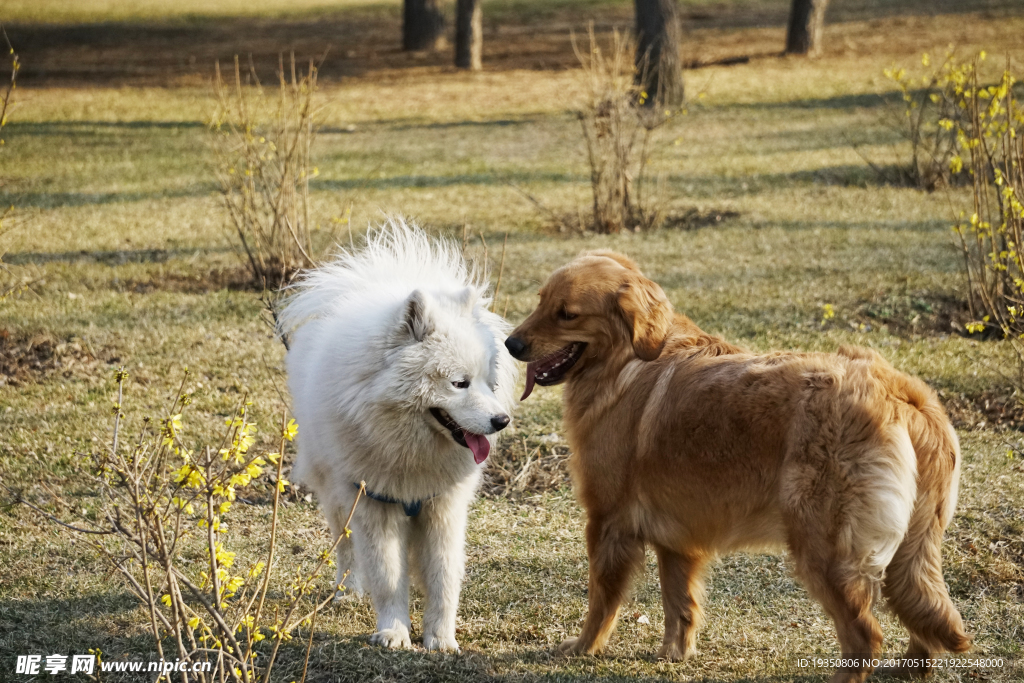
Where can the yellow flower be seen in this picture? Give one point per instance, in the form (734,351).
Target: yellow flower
(183,504)
(291,430)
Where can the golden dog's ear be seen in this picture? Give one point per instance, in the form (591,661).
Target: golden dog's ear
(647,313)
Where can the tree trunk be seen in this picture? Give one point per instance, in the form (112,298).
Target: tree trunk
(658,66)
(469,36)
(806,23)
(422,26)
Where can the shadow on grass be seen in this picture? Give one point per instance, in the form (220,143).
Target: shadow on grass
(856,101)
(34,625)
(410,181)
(109,258)
(45,128)
(354,659)
(58,200)
(404,124)
(840,175)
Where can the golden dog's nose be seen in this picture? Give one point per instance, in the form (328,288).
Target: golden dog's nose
(516,347)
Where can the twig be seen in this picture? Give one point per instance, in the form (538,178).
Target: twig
(284,624)
(501,269)
(18,499)
(484,242)
(540,205)
(15,66)
(309,645)
(273,523)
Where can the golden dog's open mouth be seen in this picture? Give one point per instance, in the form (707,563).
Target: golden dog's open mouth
(552,369)
(477,443)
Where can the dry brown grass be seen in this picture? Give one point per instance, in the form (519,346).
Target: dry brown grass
(804,224)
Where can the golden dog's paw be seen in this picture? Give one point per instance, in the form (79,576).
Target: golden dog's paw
(570,647)
(848,677)
(671,652)
(901,673)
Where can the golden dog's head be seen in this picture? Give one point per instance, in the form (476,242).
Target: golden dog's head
(589,309)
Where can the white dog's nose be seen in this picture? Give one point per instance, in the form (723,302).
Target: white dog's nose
(499,422)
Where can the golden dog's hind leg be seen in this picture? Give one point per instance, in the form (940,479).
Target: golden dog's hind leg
(847,597)
(682,589)
(915,589)
(614,557)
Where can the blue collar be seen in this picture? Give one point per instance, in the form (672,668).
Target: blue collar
(412,509)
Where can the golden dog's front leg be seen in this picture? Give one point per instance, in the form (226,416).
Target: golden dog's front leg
(613,557)
(682,589)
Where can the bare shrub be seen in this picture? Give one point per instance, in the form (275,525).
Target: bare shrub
(160,502)
(990,131)
(10,285)
(263,146)
(618,130)
(928,117)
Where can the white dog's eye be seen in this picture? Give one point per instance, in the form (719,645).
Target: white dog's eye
(461,384)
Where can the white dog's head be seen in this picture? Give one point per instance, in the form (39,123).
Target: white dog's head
(448,353)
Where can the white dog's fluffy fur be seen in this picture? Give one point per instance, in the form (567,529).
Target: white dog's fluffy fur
(379,337)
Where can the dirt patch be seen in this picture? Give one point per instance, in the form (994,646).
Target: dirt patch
(911,314)
(574,224)
(694,219)
(172,48)
(235,279)
(27,359)
(987,409)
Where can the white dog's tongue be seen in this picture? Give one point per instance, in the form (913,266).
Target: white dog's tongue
(531,375)
(480,446)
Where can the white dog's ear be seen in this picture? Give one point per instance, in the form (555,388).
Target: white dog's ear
(466,299)
(417,321)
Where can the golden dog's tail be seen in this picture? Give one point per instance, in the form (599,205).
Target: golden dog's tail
(913,581)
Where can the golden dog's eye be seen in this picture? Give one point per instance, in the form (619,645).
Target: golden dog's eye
(461,384)
(566,315)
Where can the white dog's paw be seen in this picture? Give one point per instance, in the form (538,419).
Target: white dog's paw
(432,641)
(397,637)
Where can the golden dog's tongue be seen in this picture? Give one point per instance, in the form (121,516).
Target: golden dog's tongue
(480,446)
(531,374)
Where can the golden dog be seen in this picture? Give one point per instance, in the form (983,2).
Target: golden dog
(685,442)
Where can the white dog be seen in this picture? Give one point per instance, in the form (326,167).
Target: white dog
(400,378)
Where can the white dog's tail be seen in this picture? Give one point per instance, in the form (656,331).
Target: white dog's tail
(397,256)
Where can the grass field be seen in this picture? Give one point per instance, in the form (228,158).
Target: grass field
(108,161)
